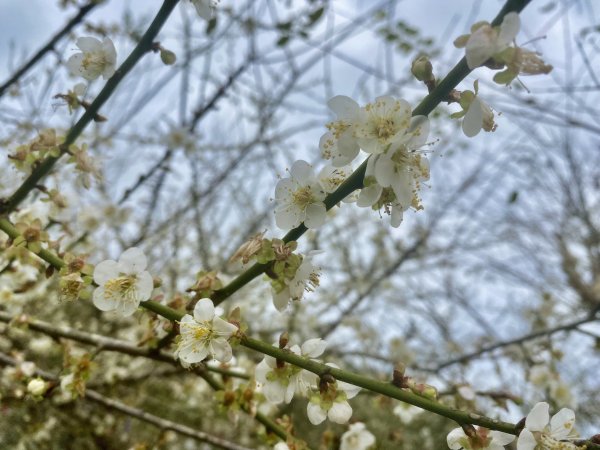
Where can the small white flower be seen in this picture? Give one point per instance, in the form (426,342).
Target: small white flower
(300,199)
(281,446)
(332,403)
(479,116)
(27,368)
(37,387)
(331,177)
(305,279)
(541,432)
(124,284)
(339,143)
(205,8)
(281,383)
(383,122)
(487,41)
(393,178)
(484,439)
(96,58)
(357,438)
(204,334)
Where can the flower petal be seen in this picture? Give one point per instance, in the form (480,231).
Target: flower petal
(473,120)
(302,171)
(454,437)
(538,418)
(509,29)
(340,412)
(204,311)
(344,107)
(89,44)
(315,413)
(145,286)
(526,441)
(316,214)
(102,302)
(106,270)
(223,328)
(220,349)
(132,261)
(561,424)
(313,348)
(369,195)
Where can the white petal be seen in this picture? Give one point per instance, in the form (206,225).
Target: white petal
(132,261)
(453,438)
(314,348)
(274,392)
(509,29)
(500,438)
(340,412)
(288,218)
(561,424)
(126,309)
(282,299)
(344,107)
(419,130)
(538,418)
(369,195)
(403,188)
(347,147)
(473,120)
(284,190)
(194,355)
(106,270)
(526,441)
(261,370)
(145,286)
(74,64)
(223,328)
(220,349)
(385,170)
(89,44)
(291,388)
(203,8)
(315,414)
(397,215)
(302,171)
(204,311)
(480,46)
(316,214)
(103,303)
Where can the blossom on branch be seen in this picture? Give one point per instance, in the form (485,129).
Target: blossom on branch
(300,198)
(124,284)
(481,439)
(393,178)
(205,8)
(96,58)
(339,143)
(204,334)
(541,432)
(281,381)
(306,278)
(331,402)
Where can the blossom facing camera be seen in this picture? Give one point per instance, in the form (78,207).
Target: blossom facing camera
(300,198)
(124,284)
(204,334)
(96,58)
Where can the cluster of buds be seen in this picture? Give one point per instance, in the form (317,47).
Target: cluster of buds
(75,276)
(404,382)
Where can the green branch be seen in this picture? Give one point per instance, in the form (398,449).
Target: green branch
(43,169)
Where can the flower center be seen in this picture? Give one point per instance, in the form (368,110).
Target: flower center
(201,333)
(122,288)
(303,197)
(385,128)
(93,61)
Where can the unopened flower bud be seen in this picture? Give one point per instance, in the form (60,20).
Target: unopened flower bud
(167,57)
(422,69)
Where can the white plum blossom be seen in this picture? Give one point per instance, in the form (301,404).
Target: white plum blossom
(300,198)
(96,58)
(543,433)
(331,177)
(406,413)
(383,122)
(281,382)
(393,178)
(306,278)
(357,438)
(332,402)
(205,8)
(483,439)
(204,334)
(124,284)
(486,41)
(339,143)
